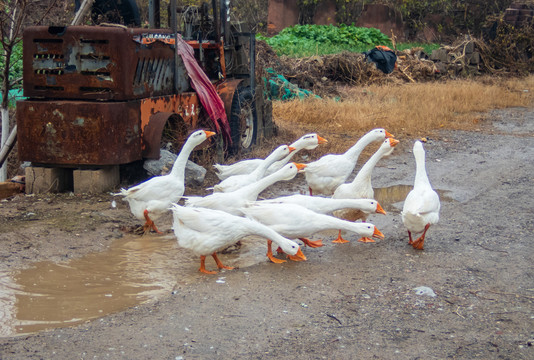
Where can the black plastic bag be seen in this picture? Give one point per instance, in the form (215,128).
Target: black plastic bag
(384,59)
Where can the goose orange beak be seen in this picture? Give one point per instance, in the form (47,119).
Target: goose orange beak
(321,140)
(389,135)
(379,209)
(300,167)
(378,234)
(210,133)
(299,256)
(393,142)
(291,149)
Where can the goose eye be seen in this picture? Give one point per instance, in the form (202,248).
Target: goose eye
(372,203)
(292,246)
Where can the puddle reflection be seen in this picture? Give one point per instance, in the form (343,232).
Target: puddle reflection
(388,196)
(132,271)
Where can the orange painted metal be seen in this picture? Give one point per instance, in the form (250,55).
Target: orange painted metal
(226,90)
(186,105)
(223,60)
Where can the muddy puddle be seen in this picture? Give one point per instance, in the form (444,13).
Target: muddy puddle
(132,271)
(387,197)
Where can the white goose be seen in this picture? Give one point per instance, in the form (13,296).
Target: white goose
(325,205)
(361,187)
(308,142)
(238,181)
(422,205)
(231,202)
(206,231)
(155,196)
(295,221)
(326,174)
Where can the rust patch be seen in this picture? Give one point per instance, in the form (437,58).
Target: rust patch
(186,105)
(78,132)
(226,90)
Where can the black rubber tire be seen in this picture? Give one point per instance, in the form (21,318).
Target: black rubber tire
(243,121)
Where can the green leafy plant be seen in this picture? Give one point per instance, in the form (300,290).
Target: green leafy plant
(306,40)
(15,70)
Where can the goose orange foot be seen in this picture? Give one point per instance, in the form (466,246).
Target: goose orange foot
(149,224)
(220,264)
(203,266)
(366,240)
(418,244)
(339,239)
(312,244)
(299,256)
(217,261)
(270,253)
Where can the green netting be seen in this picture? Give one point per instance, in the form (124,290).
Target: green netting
(13,97)
(277,87)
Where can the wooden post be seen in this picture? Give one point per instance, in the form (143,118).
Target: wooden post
(82,11)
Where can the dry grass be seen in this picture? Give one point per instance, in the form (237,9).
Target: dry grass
(408,111)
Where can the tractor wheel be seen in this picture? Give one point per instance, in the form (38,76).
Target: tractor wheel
(243,121)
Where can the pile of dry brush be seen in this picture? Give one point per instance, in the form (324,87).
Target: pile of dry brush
(326,75)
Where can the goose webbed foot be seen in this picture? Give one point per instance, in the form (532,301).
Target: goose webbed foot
(312,244)
(340,239)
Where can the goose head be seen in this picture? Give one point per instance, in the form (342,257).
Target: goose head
(379,134)
(292,249)
(309,142)
(371,206)
(387,146)
(198,137)
(289,171)
(418,147)
(281,152)
(371,231)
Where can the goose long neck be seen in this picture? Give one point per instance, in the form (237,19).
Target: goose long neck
(264,165)
(332,222)
(254,189)
(421,176)
(340,204)
(356,149)
(265,231)
(367,169)
(178,168)
(346,225)
(288,157)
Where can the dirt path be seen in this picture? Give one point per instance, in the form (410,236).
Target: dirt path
(347,301)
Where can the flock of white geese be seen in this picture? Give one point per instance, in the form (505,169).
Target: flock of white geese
(211,223)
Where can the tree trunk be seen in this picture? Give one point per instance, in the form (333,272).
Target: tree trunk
(5,133)
(8,146)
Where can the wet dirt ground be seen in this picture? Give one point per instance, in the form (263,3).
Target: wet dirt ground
(69,264)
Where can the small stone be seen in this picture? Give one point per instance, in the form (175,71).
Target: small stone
(425,290)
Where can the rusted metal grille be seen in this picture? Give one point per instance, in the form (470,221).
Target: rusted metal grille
(98,63)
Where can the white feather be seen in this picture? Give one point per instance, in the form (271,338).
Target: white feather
(308,142)
(422,204)
(326,174)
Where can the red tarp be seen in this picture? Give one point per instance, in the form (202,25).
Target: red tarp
(207,94)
